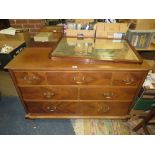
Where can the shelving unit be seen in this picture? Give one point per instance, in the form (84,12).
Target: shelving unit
(151,48)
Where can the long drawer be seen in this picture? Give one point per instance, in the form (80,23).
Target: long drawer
(107,93)
(79,108)
(49,93)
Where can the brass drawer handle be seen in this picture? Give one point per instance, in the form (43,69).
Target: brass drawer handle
(34,78)
(30,79)
(128,81)
(105,108)
(108,95)
(79,82)
(48,95)
(51,108)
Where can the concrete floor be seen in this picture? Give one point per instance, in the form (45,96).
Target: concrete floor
(6,85)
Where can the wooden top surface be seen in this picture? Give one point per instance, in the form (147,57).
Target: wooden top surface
(38,59)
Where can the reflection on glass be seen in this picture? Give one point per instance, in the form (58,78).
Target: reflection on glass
(101,49)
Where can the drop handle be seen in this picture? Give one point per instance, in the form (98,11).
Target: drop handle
(34,78)
(128,81)
(108,95)
(30,79)
(105,108)
(48,95)
(79,82)
(51,109)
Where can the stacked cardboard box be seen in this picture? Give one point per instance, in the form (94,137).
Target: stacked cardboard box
(111,30)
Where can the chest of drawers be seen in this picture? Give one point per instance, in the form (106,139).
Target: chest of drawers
(56,89)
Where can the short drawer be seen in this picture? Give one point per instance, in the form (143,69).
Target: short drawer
(107,93)
(49,93)
(80,108)
(79,78)
(128,78)
(95,78)
(30,78)
(61,78)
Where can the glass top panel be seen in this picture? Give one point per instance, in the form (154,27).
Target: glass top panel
(101,49)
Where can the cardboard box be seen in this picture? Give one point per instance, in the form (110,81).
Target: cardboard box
(43,37)
(58,29)
(74,41)
(109,30)
(84,21)
(145,24)
(82,33)
(107,44)
(22,36)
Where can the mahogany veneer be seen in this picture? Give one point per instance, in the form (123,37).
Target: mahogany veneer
(68,89)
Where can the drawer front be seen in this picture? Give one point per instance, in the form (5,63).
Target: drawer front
(79,78)
(61,78)
(95,78)
(105,108)
(127,78)
(30,78)
(49,93)
(80,108)
(56,108)
(107,93)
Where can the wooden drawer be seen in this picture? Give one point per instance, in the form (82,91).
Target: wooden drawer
(80,108)
(107,93)
(49,93)
(79,78)
(61,78)
(127,78)
(52,107)
(30,78)
(95,78)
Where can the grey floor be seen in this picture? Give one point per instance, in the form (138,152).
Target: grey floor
(6,85)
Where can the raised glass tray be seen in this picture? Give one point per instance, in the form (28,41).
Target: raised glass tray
(96,49)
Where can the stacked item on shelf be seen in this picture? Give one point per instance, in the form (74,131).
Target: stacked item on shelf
(140,39)
(153,40)
(81,28)
(146,96)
